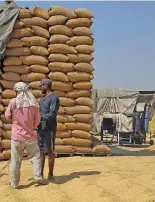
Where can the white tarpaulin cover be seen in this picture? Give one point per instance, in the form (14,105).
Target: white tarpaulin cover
(114,101)
(123,123)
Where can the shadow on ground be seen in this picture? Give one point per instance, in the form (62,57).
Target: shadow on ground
(65,178)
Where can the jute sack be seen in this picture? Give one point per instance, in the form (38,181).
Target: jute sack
(58,58)
(11,76)
(34,60)
(7,127)
(9,94)
(59,39)
(35,85)
(37,93)
(64,149)
(6,135)
(86,58)
(64,86)
(61,29)
(63,134)
(35,21)
(7,154)
(39,12)
(83,149)
(1,108)
(18,51)
(66,102)
(5,120)
(61,48)
(73,58)
(65,118)
(25,13)
(39,31)
(58,141)
(61,127)
(85,49)
(7,84)
(61,110)
(79,76)
(15,43)
(77,110)
(84,101)
(6,144)
(81,134)
(1,155)
(9,61)
(83,13)
(61,67)
(84,118)
(59,10)
(60,93)
(58,76)
(87,85)
(22,32)
(82,142)
(35,41)
(1,135)
(84,67)
(6,101)
(39,50)
(81,58)
(78,93)
(80,40)
(1,124)
(36,77)
(57,20)
(101,149)
(82,31)
(18,24)
(39,69)
(68,141)
(20,69)
(24,77)
(79,22)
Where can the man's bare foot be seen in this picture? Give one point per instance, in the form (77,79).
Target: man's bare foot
(41,182)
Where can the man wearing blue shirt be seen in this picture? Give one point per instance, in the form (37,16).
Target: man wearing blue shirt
(46,131)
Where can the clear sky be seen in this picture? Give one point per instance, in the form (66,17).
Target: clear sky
(124,41)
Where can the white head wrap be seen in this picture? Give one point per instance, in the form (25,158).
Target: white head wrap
(24,96)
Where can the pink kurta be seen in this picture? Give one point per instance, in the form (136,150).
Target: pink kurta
(24,121)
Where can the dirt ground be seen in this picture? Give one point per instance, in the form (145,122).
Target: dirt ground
(84,179)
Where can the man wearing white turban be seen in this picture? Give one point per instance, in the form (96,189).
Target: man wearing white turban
(24,113)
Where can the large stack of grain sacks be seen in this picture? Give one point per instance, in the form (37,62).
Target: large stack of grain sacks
(71,72)
(57,44)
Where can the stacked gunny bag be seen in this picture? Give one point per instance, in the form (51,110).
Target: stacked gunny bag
(26,60)
(57,44)
(71,72)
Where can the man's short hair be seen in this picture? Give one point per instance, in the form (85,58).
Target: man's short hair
(46,82)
